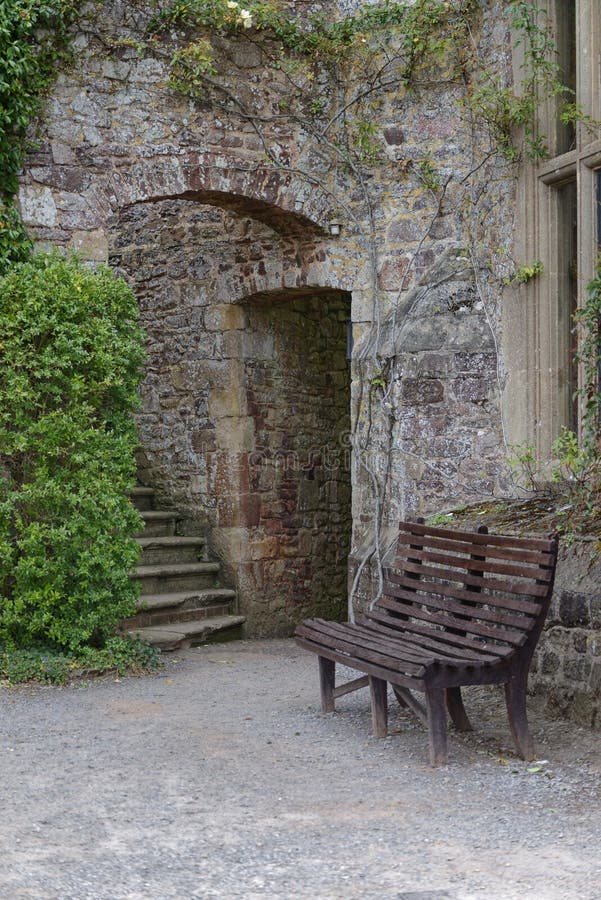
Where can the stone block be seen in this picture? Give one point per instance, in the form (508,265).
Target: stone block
(264,548)
(225,317)
(37,205)
(577,669)
(234,434)
(574,608)
(421,391)
(93,245)
(422,334)
(472,389)
(550,663)
(393,135)
(391,276)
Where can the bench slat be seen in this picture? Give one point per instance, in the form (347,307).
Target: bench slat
(450,565)
(441,645)
(354,648)
(363,666)
(460,611)
(499,650)
(507,635)
(475,600)
(417,649)
(485,548)
(478,582)
(472,537)
(389,643)
(365,637)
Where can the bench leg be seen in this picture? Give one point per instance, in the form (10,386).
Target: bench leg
(515,698)
(378,690)
(437,725)
(327,680)
(456,710)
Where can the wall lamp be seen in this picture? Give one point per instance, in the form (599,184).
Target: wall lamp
(334,227)
(350,341)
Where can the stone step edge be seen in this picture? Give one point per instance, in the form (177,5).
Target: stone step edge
(172,540)
(142,491)
(168,571)
(153,602)
(172,637)
(159,515)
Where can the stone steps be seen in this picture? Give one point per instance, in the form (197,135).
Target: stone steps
(176,577)
(182,606)
(143,497)
(159,522)
(188,634)
(172,549)
(181,602)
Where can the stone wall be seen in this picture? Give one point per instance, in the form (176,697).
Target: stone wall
(299,491)
(244,293)
(566,670)
(180,197)
(245,406)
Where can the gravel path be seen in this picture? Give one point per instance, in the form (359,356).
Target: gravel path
(220,777)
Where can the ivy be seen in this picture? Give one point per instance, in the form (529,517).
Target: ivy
(588,319)
(33,41)
(578,472)
(424,30)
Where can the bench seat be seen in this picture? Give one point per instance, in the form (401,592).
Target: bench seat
(457,609)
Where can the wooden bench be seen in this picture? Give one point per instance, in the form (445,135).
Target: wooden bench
(458,608)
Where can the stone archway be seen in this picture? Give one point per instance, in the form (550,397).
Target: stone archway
(284,481)
(229,302)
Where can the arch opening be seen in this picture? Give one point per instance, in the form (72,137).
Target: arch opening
(246,401)
(296,469)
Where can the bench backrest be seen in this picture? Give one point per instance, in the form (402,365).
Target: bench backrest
(484,587)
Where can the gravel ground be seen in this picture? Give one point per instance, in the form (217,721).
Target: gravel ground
(220,777)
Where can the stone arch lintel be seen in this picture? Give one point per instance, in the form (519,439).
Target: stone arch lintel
(285,201)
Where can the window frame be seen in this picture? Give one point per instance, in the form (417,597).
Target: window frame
(534,347)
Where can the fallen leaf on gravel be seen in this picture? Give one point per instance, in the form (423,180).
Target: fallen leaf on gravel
(533,769)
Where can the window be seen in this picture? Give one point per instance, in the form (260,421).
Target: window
(560,215)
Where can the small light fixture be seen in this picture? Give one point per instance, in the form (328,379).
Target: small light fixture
(334,227)
(350,341)
(298,205)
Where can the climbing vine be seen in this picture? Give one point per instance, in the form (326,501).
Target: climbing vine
(34,39)
(328,83)
(423,31)
(328,80)
(579,468)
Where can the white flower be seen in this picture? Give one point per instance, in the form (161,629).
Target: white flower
(245,14)
(231,4)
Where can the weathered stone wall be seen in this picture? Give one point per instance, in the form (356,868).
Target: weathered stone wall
(243,294)
(566,670)
(299,491)
(179,196)
(245,406)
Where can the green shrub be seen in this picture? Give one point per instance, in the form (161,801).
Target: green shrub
(48,666)
(70,364)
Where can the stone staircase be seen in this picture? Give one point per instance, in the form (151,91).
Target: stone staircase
(181,602)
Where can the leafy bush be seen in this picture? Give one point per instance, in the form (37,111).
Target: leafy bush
(51,667)
(70,365)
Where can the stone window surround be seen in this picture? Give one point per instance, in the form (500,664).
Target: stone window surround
(532,342)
